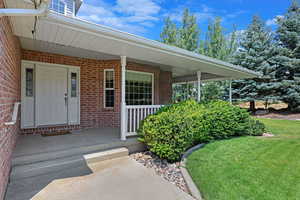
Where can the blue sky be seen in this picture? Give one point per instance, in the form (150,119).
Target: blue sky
(145,17)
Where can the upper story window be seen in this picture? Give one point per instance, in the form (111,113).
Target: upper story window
(58,6)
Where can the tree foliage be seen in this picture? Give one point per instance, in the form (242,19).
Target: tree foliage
(169,34)
(285,63)
(217,44)
(254,53)
(275,55)
(189,32)
(185,36)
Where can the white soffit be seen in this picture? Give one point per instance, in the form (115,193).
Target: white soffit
(73,33)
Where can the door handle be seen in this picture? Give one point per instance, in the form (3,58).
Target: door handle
(66,99)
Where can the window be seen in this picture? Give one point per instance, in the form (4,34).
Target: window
(139,87)
(29,82)
(73,84)
(58,6)
(109,91)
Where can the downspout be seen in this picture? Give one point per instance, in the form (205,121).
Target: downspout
(40,11)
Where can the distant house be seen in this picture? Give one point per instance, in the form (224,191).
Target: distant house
(70,74)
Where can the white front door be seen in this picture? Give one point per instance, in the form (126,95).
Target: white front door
(51,95)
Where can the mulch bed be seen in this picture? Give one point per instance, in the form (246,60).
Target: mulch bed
(280,115)
(169,171)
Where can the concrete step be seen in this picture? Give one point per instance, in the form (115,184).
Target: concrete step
(56,165)
(131,144)
(44,167)
(106,155)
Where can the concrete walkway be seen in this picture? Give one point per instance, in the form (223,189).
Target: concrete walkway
(121,178)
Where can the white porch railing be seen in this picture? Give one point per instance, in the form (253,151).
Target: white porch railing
(14,115)
(135,114)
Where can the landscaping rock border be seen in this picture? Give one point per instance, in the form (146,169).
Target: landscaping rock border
(176,173)
(169,171)
(193,190)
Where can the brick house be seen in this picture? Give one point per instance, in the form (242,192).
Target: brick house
(70,74)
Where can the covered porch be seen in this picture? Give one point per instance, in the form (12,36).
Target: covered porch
(96,52)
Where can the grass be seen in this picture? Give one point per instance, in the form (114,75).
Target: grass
(251,167)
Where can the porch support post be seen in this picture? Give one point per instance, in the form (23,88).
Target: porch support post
(186,91)
(230,91)
(199,86)
(123,102)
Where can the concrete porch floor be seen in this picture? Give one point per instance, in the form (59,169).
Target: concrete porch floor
(35,148)
(33,144)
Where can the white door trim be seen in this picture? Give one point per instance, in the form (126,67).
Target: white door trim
(34,64)
(51,64)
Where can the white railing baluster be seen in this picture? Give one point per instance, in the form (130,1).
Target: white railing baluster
(130,120)
(138,117)
(134,120)
(135,114)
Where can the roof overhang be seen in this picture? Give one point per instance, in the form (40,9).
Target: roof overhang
(56,33)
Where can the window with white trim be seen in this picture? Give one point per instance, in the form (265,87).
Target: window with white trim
(29,82)
(109,90)
(58,6)
(139,88)
(74,83)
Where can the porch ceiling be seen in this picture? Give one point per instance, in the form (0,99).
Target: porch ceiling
(73,37)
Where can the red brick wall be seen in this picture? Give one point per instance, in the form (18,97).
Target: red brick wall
(9,93)
(92,111)
(165,90)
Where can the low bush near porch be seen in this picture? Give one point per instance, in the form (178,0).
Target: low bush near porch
(175,128)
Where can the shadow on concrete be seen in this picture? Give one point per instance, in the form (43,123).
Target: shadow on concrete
(26,188)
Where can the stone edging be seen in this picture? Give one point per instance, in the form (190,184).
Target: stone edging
(188,179)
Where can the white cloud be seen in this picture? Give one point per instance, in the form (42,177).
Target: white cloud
(273,22)
(137,7)
(95,10)
(204,13)
(128,15)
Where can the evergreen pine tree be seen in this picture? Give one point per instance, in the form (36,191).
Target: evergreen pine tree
(254,54)
(285,64)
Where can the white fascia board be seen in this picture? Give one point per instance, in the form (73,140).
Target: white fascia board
(41,10)
(131,39)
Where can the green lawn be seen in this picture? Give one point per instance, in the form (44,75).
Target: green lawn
(251,167)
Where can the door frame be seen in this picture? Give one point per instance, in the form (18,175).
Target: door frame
(33,64)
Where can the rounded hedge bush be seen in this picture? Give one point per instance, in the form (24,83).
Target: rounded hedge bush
(175,128)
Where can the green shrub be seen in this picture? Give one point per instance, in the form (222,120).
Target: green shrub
(256,128)
(171,130)
(175,128)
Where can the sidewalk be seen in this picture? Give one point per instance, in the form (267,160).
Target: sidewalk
(121,178)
